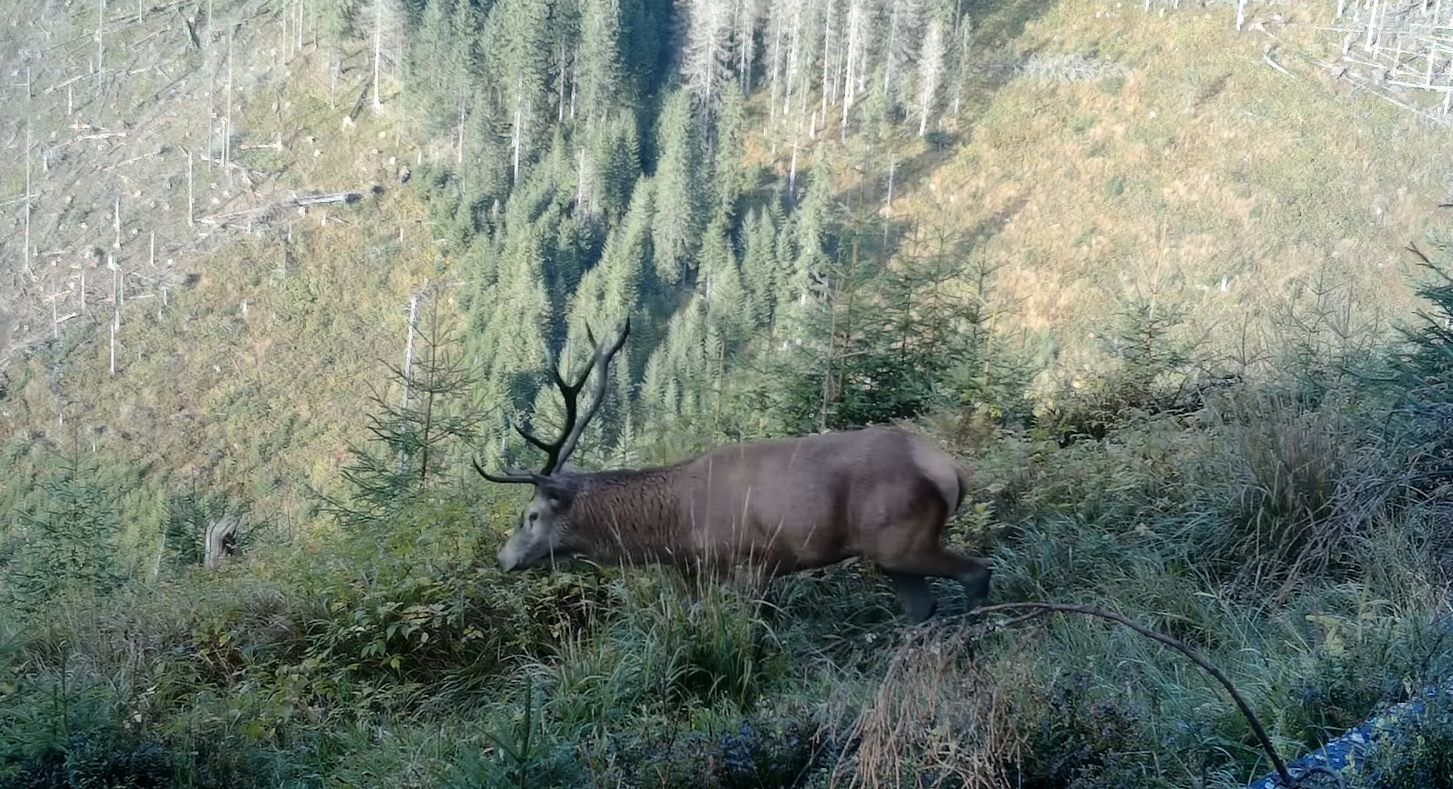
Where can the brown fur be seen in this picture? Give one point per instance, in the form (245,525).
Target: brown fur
(782,506)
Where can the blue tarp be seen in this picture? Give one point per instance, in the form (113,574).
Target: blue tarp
(1350,751)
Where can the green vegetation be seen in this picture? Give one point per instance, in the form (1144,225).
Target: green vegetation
(1141,283)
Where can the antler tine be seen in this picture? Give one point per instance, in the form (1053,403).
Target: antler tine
(509,476)
(601,364)
(584,372)
(557,452)
(529,436)
(569,392)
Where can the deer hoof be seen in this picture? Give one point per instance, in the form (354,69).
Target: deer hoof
(976,586)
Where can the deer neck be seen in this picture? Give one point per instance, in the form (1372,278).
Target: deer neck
(628,517)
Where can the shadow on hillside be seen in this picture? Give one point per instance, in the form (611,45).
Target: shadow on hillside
(996,26)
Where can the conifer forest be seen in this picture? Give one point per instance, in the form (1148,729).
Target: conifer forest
(1068,384)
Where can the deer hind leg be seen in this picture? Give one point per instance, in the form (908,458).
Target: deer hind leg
(971,573)
(913,594)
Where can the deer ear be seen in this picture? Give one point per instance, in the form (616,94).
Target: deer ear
(560,493)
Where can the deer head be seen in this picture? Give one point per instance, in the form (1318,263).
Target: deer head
(544,531)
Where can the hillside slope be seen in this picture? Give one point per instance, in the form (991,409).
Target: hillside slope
(1099,158)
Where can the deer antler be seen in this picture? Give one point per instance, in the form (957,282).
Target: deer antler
(558,451)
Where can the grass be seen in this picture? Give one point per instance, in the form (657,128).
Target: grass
(402,656)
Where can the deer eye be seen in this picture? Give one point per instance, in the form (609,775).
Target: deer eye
(534,516)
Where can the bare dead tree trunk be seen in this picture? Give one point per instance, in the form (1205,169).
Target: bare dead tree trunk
(1371,26)
(792,168)
(459,149)
(853,58)
(377,50)
(227,127)
(219,540)
(827,66)
(100,43)
(580,181)
(888,203)
(118,286)
(560,89)
(574,80)
(191,204)
(282,266)
(773,74)
(793,57)
(888,64)
(519,113)
(27,198)
(409,347)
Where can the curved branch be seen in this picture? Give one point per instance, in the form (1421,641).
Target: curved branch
(1040,609)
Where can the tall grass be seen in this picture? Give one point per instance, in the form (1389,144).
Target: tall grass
(1282,536)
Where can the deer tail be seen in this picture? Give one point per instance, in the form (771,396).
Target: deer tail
(964,479)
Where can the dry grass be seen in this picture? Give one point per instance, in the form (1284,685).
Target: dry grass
(938,716)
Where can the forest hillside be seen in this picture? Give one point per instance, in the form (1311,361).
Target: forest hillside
(1163,275)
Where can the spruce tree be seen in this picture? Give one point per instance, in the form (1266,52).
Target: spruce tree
(615,163)
(412,429)
(521,36)
(604,83)
(760,268)
(69,536)
(678,220)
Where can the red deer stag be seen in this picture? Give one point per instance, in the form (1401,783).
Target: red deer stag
(781,506)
